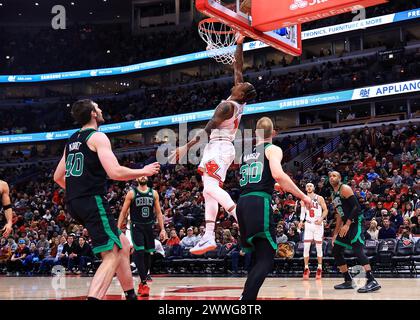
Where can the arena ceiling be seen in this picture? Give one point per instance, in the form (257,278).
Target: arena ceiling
(39,11)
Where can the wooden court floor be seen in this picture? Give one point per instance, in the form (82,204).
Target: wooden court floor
(206,288)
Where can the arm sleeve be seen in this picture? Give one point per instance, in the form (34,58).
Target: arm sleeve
(355,211)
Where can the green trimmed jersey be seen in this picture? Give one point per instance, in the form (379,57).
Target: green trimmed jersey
(255,172)
(142,207)
(85,175)
(342,205)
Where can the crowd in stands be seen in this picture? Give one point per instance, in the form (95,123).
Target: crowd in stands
(381,165)
(157,101)
(81,47)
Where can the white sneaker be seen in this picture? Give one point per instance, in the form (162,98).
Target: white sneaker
(203,246)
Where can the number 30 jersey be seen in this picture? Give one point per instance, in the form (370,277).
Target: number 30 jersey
(255,172)
(85,175)
(312,214)
(142,207)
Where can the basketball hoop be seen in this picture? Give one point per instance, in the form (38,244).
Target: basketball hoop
(220,39)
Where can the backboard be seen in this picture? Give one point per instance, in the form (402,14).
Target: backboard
(268,14)
(229,12)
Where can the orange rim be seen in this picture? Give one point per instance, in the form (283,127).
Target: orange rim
(202,27)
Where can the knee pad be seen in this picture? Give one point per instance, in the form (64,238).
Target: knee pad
(338,253)
(319,249)
(306,249)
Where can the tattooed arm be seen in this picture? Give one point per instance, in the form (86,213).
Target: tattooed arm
(239,60)
(223,111)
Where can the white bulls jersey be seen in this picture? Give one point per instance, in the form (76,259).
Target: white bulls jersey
(227,129)
(312,214)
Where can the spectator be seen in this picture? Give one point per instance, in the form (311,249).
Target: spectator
(47,216)
(293,235)
(42,242)
(69,253)
(372,175)
(396,179)
(173,239)
(387,232)
(414,218)
(189,240)
(5,253)
(396,219)
(416,229)
(16,262)
(84,255)
(280,236)
(406,235)
(373,232)
(55,255)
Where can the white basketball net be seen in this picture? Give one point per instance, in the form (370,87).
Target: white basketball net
(220,39)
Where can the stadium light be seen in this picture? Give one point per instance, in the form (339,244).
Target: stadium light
(1,4)
(7,57)
(72,3)
(36,4)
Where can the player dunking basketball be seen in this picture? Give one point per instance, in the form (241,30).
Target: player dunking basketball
(314,229)
(82,171)
(7,207)
(219,153)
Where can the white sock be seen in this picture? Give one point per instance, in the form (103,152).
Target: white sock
(210,214)
(306,266)
(319,266)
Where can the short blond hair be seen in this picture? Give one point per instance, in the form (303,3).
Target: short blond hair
(267,126)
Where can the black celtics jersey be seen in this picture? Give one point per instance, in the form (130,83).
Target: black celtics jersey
(342,205)
(142,207)
(255,172)
(85,175)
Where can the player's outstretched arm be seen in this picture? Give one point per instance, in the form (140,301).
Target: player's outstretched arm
(275,155)
(7,205)
(122,219)
(100,142)
(223,111)
(239,59)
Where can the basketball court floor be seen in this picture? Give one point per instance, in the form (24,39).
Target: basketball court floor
(205,288)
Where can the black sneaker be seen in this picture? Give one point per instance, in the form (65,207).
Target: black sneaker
(345,285)
(369,287)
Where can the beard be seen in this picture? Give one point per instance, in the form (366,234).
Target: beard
(142,183)
(100,121)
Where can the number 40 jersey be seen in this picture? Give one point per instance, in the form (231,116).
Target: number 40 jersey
(85,175)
